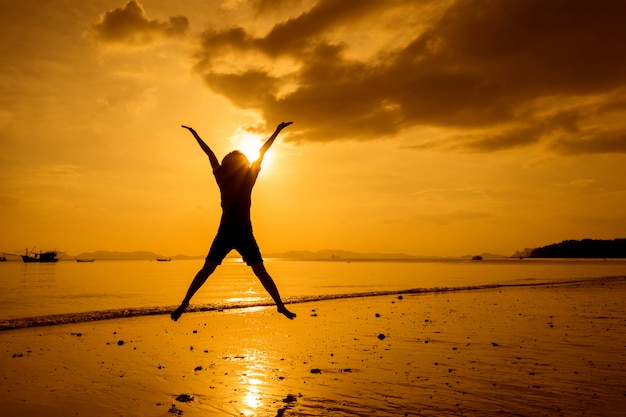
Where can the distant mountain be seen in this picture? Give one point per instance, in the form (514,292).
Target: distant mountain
(522,253)
(330,254)
(181,257)
(119,256)
(338,254)
(63,256)
(486,255)
(586,248)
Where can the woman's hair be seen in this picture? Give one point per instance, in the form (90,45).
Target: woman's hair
(235,159)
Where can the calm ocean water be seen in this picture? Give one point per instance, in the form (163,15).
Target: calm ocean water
(109,289)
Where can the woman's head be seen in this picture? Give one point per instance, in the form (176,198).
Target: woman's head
(235,159)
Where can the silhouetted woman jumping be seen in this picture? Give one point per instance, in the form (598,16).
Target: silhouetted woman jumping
(235,178)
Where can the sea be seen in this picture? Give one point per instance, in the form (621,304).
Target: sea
(40,294)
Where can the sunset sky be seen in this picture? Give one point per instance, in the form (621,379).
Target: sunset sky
(424,127)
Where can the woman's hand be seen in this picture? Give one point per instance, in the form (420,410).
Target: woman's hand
(283,125)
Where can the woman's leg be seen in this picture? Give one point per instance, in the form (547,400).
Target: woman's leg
(198,281)
(270,287)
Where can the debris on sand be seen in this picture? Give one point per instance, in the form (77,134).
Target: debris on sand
(184,398)
(175,411)
(290,399)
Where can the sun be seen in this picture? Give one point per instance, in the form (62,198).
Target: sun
(250,144)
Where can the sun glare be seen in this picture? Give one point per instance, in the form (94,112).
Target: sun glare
(250,144)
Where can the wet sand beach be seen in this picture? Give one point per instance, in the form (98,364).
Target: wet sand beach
(553,350)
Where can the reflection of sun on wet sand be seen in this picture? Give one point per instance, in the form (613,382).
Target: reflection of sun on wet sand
(549,350)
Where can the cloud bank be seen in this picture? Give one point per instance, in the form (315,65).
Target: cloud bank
(131,25)
(492,74)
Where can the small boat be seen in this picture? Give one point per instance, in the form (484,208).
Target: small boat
(477,258)
(164,259)
(84,260)
(43,257)
(3,258)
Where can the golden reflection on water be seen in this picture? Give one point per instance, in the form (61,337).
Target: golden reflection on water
(251,399)
(246,300)
(253,382)
(249,296)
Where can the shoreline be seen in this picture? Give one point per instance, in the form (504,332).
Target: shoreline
(99,315)
(515,350)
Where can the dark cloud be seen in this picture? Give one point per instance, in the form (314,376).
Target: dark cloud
(593,141)
(130,24)
(559,125)
(294,35)
(480,65)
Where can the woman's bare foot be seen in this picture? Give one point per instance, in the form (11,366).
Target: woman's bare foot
(283,310)
(179,311)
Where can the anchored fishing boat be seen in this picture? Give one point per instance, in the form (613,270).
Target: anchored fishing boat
(48,257)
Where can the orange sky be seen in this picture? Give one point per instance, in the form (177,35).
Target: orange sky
(423,127)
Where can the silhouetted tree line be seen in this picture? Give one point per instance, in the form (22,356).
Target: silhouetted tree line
(586,248)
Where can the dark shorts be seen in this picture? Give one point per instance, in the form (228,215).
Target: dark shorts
(236,237)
